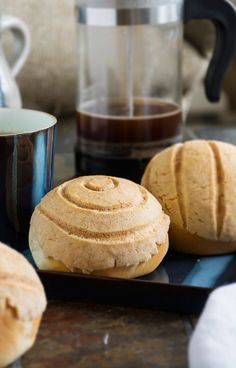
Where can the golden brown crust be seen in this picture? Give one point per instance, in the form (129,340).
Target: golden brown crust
(118,272)
(98,222)
(141,269)
(196,184)
(185,242)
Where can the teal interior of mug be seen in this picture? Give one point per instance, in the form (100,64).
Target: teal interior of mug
(23,121)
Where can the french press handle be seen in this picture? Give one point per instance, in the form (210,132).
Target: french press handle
(223,14)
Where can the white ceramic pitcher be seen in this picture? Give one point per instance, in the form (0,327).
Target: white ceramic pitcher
(9,92)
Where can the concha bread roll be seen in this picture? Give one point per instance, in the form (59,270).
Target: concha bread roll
(99,225)
(196,184)
(22,302)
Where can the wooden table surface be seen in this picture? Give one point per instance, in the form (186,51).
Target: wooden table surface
(85,335)
(93,336)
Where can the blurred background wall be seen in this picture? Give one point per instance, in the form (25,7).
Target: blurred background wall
(47,80)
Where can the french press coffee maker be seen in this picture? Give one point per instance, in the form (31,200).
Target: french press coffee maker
(130,80)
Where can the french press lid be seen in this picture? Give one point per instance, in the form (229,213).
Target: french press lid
(108,13)
(156,12)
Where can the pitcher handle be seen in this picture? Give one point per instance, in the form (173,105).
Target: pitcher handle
(223,14)
(22,41)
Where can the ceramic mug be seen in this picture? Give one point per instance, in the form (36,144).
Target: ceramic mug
(27,140)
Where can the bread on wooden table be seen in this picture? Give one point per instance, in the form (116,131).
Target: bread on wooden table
(99,225)
(196,184)
(22,302)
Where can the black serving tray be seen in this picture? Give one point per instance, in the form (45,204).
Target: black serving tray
(180,284)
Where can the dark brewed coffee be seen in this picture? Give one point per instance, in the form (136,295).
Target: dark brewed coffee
(112,140)
(152,120)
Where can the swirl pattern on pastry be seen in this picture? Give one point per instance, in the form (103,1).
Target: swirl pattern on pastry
(98,222)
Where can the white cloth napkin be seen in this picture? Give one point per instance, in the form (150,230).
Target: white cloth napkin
(213,343)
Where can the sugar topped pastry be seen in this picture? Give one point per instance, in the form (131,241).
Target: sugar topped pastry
(99,225)
(22,303)
(195,183)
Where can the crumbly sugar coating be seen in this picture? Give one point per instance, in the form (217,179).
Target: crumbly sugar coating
(20,287)
(99,222)
(195,183)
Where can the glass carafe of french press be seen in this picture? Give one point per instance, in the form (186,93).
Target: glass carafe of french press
(130,80)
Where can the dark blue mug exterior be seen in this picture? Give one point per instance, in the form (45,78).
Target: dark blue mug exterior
(26,175)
